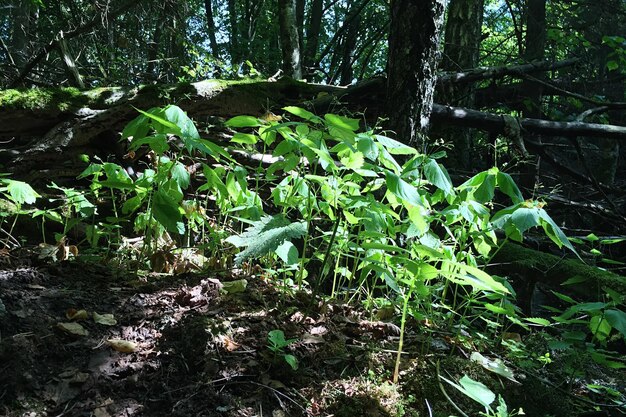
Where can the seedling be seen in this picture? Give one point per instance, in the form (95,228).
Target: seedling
(277,343)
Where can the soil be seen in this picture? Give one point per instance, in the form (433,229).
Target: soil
(198,351)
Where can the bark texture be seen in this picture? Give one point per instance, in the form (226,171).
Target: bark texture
(462,43)
(290,44)
(413,54)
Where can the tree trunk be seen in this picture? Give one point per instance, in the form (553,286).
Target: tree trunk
(290,45)
(153,46)
(413,55)
(234,33)
(313,33)
(462,44)
(534,50)
(348,50)
(208,7)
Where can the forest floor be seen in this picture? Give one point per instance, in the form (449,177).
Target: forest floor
(167,345)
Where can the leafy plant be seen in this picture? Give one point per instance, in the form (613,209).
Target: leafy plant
(277,343)
(480,393)
(16,193)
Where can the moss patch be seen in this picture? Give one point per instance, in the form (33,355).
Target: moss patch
(62,99)
(553,269)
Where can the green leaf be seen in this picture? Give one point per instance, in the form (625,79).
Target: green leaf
(244,138)
(508,187)
(486,189)
(612,65)
(554,232)
(342,122)
(353,161)
(496,366)
(617,319)
(475,390)
(394,147)
(292,361)
(402,189)
(265,236)
(158,143)
(20,192)
(167,212)
(537,320)
(244,121)
(600,327)
(304,114)
(155,114)
(288,253)
(184,124)
(438,176)
(180,174)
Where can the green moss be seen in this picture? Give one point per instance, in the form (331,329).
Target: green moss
(61,99)
(556,270)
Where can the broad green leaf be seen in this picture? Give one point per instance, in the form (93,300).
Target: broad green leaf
(617,319)
(292,361)
(137,128)
(600,327)
(287,252)
(244,121)
(20,192)
(554,232)
(244,138)
(402,189)
(342,122)
(366,145)
(167,212)
(508,187)
(353,161)
(394,147)
(153,114)
(304,114)
(181,175)
(158,143)
(477,391)
(494,365)
(185,125)
(474,390)
(438,176)
(486,189)
(537,320)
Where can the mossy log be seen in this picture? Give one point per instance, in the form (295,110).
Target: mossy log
(50,128)
(536,266)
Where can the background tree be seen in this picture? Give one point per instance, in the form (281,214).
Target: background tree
(413,58)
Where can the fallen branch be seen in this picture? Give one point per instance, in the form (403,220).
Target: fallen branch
(499,72)
(494,122)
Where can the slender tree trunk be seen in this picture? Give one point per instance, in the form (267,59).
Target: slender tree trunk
(208,8)
(234,33)
(413,54)
(290,45)
(461,48)
(153,46)
(300,7)
(70,64)
(534,50)
(313,32)
(20,34)
(349,45)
